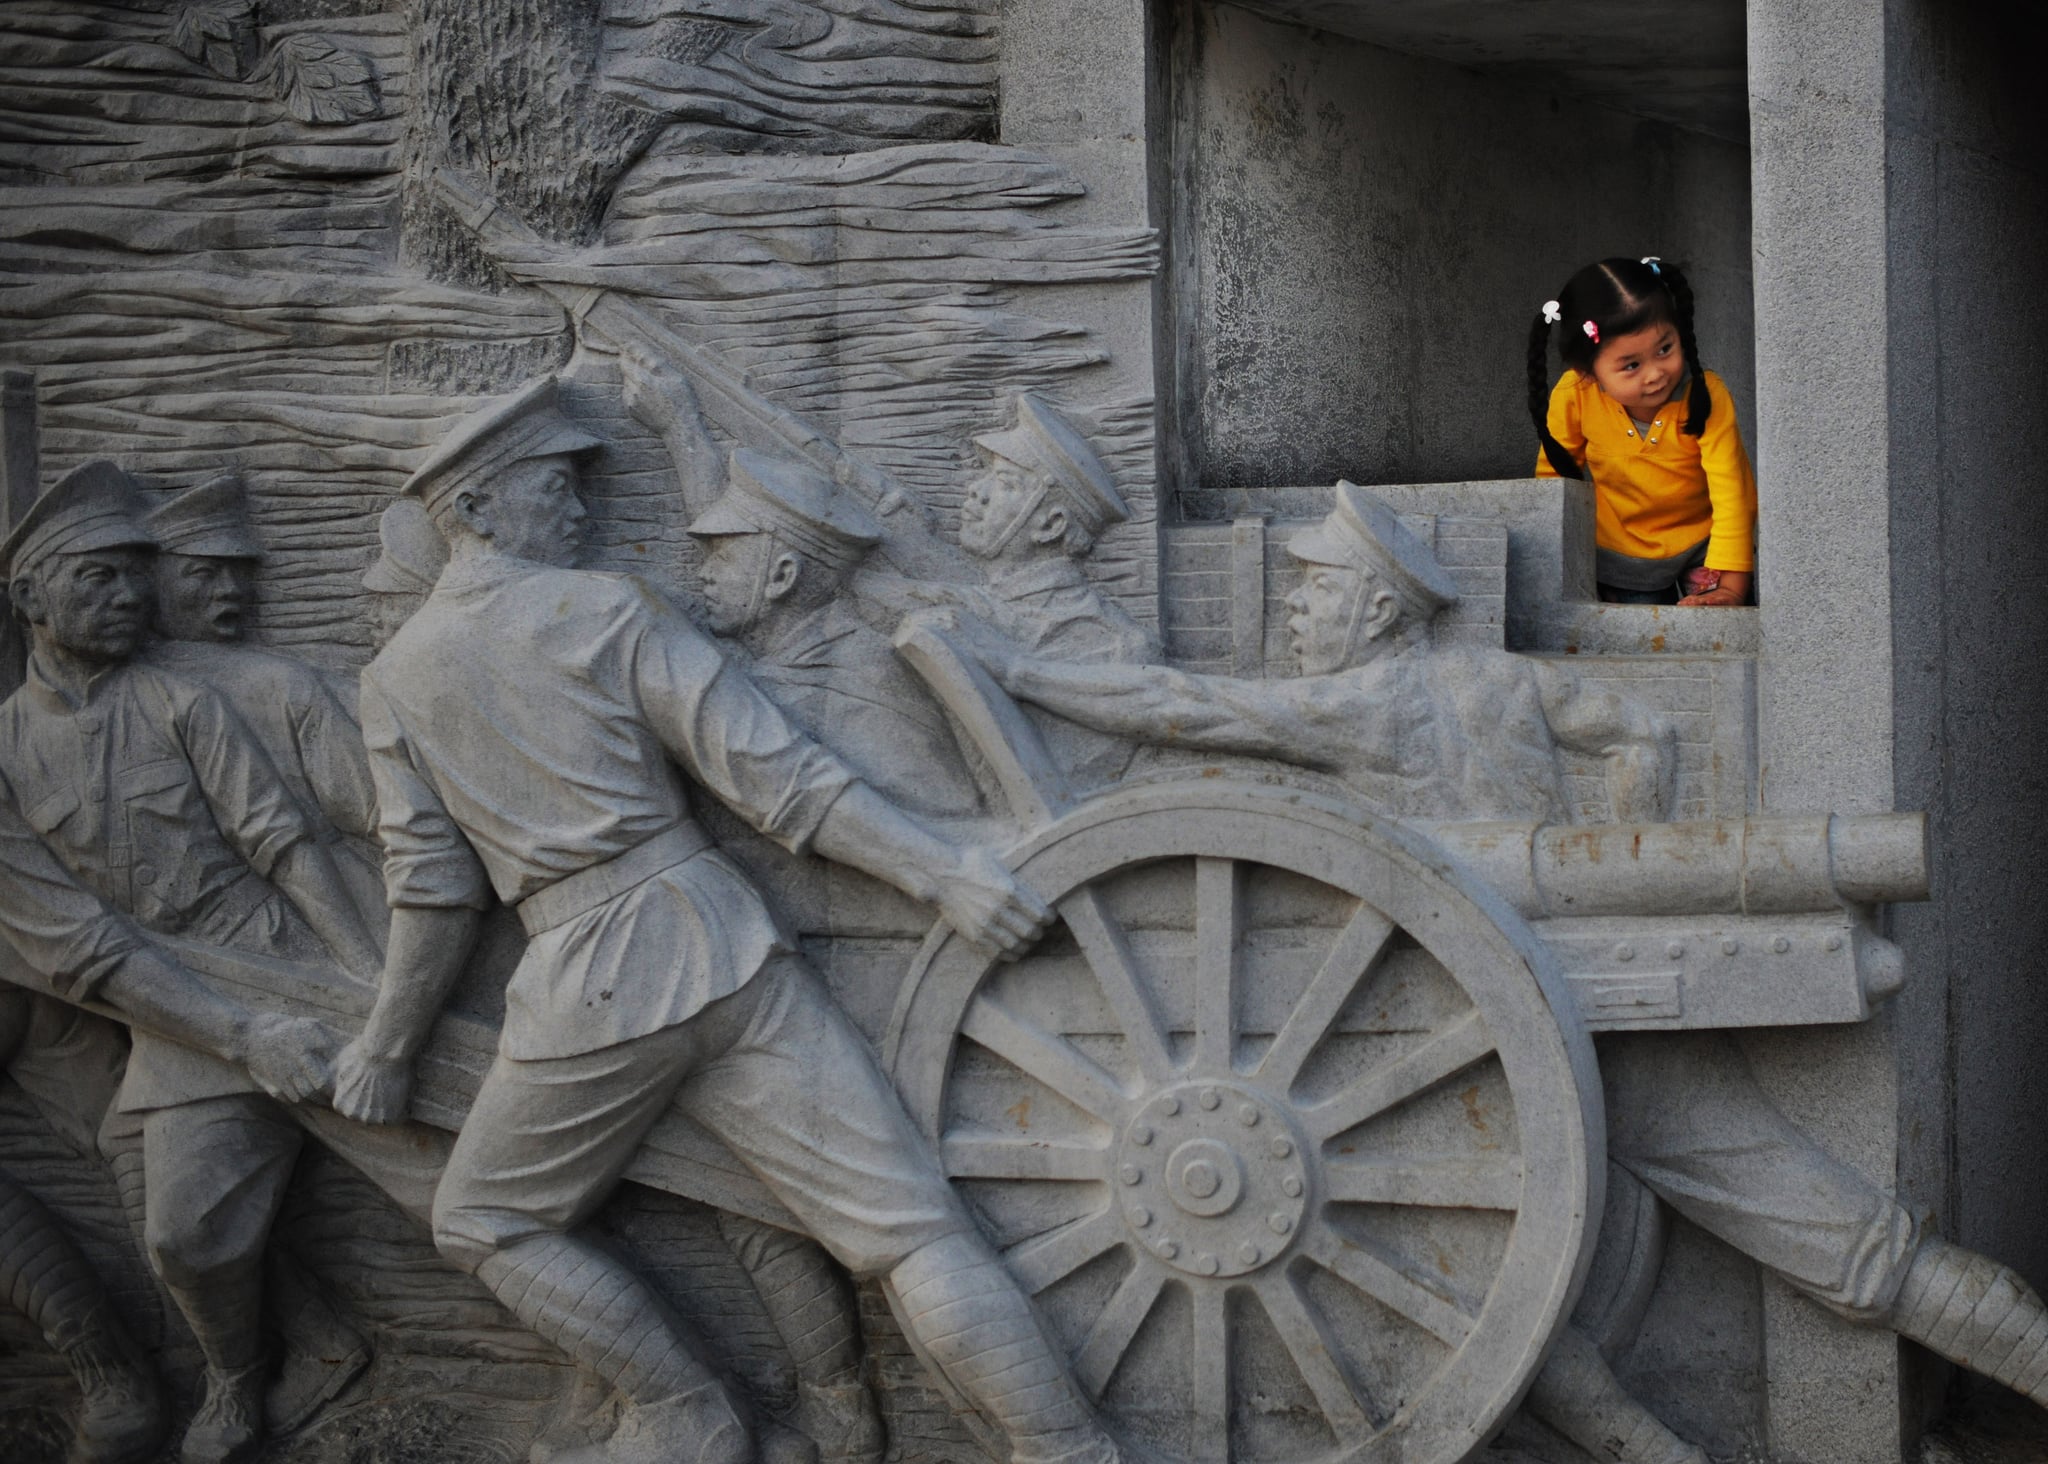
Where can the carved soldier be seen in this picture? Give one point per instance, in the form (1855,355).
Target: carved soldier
(1030,519)
(410,557)
(59,945)
(1433,733)
(541,732)
(779,547)
(1413,728)
(154,796)
(205,577)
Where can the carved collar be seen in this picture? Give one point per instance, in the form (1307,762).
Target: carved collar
(50,697)
(1040,576)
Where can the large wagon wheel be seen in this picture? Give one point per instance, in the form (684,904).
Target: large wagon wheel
(1289,1128)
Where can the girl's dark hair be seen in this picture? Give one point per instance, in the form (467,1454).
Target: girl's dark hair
(1617,296)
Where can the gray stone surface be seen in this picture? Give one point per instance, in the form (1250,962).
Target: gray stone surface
(906,880)
(1360,237)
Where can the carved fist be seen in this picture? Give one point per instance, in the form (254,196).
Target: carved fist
(654,394)
(985,902)
(291,1058)
(371,1089)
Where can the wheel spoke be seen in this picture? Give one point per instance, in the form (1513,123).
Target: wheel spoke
(1110,1338)
(1209,1377)
(1444,1184)
(1044,1259)
(1315,1356)
(1394,1288)
(982,1157)
(1452,1050)
(1352,954)
(1051,1059)
(1109,957)
(1218,916)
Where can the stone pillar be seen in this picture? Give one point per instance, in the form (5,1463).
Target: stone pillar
(1827,692)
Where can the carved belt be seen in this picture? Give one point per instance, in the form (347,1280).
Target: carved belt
(588,888)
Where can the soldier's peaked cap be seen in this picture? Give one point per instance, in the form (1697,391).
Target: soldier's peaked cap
(527,424)
(1043,441)
(799,505)
(1362,531)
(210,521)
(91,507)
(412,551)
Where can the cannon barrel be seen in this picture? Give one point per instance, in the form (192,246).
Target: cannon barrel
(1739,866)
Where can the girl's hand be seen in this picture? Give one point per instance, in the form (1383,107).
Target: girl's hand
(1732,590)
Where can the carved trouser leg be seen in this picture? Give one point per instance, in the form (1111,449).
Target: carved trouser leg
(70,1063)
(1686,1117)
(216,1172)
(44,1276)
(800,1098)
(1578,1395)
(812,1308)
(1975,1312)
(777,1071)
(805,1294)
(972,1318)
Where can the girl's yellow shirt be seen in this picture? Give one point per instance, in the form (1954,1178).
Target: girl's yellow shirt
(1658,495)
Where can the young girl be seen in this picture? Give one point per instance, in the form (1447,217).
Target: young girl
(1674,495)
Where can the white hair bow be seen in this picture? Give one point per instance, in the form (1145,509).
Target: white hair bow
(1551,313)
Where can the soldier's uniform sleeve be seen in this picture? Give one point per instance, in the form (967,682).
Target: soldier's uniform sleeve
(68,941)
(727,734)
(428,863)
(255,812)
(337,767)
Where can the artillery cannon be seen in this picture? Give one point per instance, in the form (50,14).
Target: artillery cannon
(1293,1125)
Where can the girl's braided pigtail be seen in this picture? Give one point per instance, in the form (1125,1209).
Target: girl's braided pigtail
(1699,403)
(1539,399)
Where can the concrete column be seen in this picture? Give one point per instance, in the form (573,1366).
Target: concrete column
(1825,679)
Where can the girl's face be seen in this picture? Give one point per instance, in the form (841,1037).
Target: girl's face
(1641,369)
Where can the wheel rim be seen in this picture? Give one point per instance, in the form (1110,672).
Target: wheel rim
(1221,1144)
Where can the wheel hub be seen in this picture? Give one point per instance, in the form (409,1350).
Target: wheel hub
(1211,1178)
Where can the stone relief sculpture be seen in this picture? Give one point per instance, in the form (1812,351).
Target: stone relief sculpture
(654,973)
(1483,730)
(623,410)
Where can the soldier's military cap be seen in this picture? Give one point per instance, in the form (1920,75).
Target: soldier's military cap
(527,424)
(411,553)
(800,506)
(210,521)
(1363,532)
(1043,442)
(92,507)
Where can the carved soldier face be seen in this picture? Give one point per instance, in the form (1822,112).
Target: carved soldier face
(742,576)
(993,515)
(1329,629)
(95,605)
(202,598)
(531,509)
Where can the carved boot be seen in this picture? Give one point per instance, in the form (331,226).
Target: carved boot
(44,1274)
(598,1312)
(697,1427)
(842,1420)
(122,1419)
(1577,1394)
(1977,1313)
(968,1314)
(322,1353)
(228,1428)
